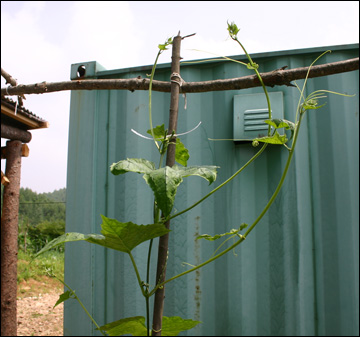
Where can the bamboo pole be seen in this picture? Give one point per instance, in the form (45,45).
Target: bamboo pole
(170,161)
(9,235)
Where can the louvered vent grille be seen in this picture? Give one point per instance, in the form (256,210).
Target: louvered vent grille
(254,119)
(250,112)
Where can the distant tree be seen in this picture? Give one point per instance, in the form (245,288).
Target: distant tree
(41,217)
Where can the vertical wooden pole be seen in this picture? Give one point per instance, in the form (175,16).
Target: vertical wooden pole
(170,161)
(9,236)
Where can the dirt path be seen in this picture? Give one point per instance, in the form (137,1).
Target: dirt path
(35,313)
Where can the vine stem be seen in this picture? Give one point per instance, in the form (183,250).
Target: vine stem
(82,305)
(254,66)
(243,237)
(223,184)
(150,92)
(137,274)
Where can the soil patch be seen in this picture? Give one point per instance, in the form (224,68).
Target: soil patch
(36,315)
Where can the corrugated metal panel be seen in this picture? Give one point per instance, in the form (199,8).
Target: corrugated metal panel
(298,271)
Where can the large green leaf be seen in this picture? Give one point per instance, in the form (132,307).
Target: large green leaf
(136,165)
(122,236)
(68,237)
(275,139)
(126,236)
(133,325)
(207,172)
(165,181)
(171,326)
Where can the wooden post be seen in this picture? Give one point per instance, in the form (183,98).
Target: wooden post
(9,236)
(170,161)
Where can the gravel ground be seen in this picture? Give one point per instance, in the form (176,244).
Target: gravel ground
(35,313)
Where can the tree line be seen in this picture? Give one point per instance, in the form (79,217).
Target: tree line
(41,218)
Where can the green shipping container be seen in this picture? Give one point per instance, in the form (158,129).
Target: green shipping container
(296,274)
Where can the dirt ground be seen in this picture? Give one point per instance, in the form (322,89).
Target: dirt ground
(35,313)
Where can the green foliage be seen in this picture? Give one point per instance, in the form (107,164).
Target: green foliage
(117,235)
(168,42)
(34,269)
(35,208)
(233,30)
(135,326)
(41,218)
(164,181)
(276,138)
(63,297)
(181,152)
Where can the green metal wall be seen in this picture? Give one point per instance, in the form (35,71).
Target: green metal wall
(298,271)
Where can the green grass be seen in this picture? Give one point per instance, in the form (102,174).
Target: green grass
(35,269)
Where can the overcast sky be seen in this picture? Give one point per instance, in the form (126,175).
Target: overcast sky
(41,39)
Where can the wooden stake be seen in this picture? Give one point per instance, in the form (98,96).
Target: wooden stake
(9,236)
(170,161)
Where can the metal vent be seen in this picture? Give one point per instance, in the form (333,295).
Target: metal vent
(250,112)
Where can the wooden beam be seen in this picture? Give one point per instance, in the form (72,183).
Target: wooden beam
(10,132)
(272,78)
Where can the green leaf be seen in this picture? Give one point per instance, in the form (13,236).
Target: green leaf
(116,235)
(126,236)
(207,172)
(278,123)
(164,183)
(67,237)
(281,123)
(63,297)
(167,42)
(133,325)
(172,326)
(136,165)
(218,236)
(159,132)
(311,104)
(275,139)
(233,29)
(181,153)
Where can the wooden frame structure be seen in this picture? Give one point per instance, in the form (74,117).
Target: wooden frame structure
(15,123)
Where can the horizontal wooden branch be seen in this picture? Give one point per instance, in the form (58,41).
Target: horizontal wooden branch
(13,133)
(276,77)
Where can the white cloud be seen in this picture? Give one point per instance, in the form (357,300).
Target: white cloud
(103,31)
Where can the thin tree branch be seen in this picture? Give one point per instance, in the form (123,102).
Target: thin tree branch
(272,78)
(12,81)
